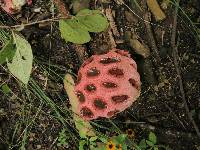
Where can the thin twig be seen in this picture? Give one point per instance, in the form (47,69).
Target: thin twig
(174,114)
(112,23)
(151,37)
(32,23)
(40,21)
(156,10)
(175,56)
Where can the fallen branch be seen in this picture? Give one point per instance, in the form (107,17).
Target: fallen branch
(156,10)
(113,28)
(138,46)
(33,23)
(151,37)
(175,56)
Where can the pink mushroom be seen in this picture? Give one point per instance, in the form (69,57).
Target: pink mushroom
(107,84)
(13,6)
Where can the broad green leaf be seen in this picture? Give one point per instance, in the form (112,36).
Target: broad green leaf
(151,144)
(121,138)
(124,146)
(152,137)
(5,88)
(72,31)
(93,20)
(81,144)
(85,12)
(21,64)
(94,138)
(7,52)
(155,147)
(143,144)
(103,139)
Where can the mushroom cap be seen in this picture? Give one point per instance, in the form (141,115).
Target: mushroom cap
(107,84)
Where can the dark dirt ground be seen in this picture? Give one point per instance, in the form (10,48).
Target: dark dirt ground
(27,119)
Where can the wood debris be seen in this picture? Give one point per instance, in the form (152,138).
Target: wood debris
(156,10)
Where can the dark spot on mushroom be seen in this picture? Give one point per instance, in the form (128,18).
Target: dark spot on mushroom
(99,103)
(89,60)
(79,78)
(93,72)
(116,72)
(133,83)
(80,96)
(86,112)
(119,98)
(112,113)
(132,65)
(109,84)
(109,60)
(91,87)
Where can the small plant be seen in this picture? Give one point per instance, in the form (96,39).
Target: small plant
(5,88)
(76,29)
(91,142)
(150,143)
(104,143)
(63,139)
(119,142)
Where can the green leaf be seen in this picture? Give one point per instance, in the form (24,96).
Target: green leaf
(86,12)
(5,88)
(81,124)
(81,144)
(72,31)
(103,139)
(124,146)
(155,147)
(94,138)
(143,144)
(93,20)
(7,52)
(152,137)
(121,138)
(151,144)
(21,64)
